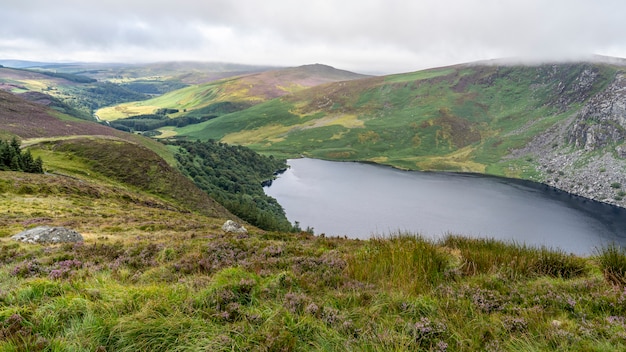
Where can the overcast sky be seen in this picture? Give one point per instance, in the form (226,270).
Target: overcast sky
(370,36)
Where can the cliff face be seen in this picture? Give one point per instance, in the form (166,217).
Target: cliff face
(586,154)
(602,121)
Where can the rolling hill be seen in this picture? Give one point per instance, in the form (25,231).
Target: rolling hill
(558,123)
(27,120)
(77,94)
(186,176)
(82,88)
(77,149)
(231,94)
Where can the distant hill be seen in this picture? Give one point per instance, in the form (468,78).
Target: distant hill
(115,156)
(77,91)
(22,63)
(238,93)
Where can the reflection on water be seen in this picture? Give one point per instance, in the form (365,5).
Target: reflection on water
(360,200)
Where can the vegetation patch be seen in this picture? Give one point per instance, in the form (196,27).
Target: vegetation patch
(613,263)
(234,176)
(408,263)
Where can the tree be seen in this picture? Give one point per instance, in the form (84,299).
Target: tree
(12,158)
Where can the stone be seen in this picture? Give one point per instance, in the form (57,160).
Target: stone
(234,227)
(621,151)
(47,234)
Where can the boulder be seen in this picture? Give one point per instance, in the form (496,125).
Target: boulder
(233,227)
(47,234)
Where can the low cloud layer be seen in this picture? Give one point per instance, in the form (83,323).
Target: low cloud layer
(364,35)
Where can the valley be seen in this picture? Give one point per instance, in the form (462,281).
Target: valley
(157,272)
(558,123)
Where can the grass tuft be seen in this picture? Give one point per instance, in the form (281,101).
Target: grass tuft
(613,264)
(406,262)
(489,256)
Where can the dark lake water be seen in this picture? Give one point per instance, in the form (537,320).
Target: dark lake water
(361,200)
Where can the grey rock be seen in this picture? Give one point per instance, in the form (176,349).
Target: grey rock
(602,121)
(47,234)
(234,227)
(621,151)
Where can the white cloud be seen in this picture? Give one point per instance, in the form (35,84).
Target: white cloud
(364,35)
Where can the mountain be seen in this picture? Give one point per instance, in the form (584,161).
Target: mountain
(558,123)
(232,94)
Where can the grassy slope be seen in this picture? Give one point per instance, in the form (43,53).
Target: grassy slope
(34,122)
(248,89)
(150,277)
(157,273)
(132,166)
(461,118)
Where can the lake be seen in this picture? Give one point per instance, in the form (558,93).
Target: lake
(361,200)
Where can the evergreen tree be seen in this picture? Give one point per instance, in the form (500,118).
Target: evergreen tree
(12,158)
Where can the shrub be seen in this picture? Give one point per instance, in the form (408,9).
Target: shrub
(556,263)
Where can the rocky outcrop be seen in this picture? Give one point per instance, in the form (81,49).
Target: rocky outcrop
(47,234)
(586,154)
(602,121)
(234,227)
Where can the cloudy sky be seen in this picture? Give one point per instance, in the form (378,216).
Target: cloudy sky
(371,36)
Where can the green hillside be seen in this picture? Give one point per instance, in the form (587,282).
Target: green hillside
(461,118)
(220,97)
(79,89)
(157,273)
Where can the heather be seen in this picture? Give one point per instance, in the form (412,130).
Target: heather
(201,289)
